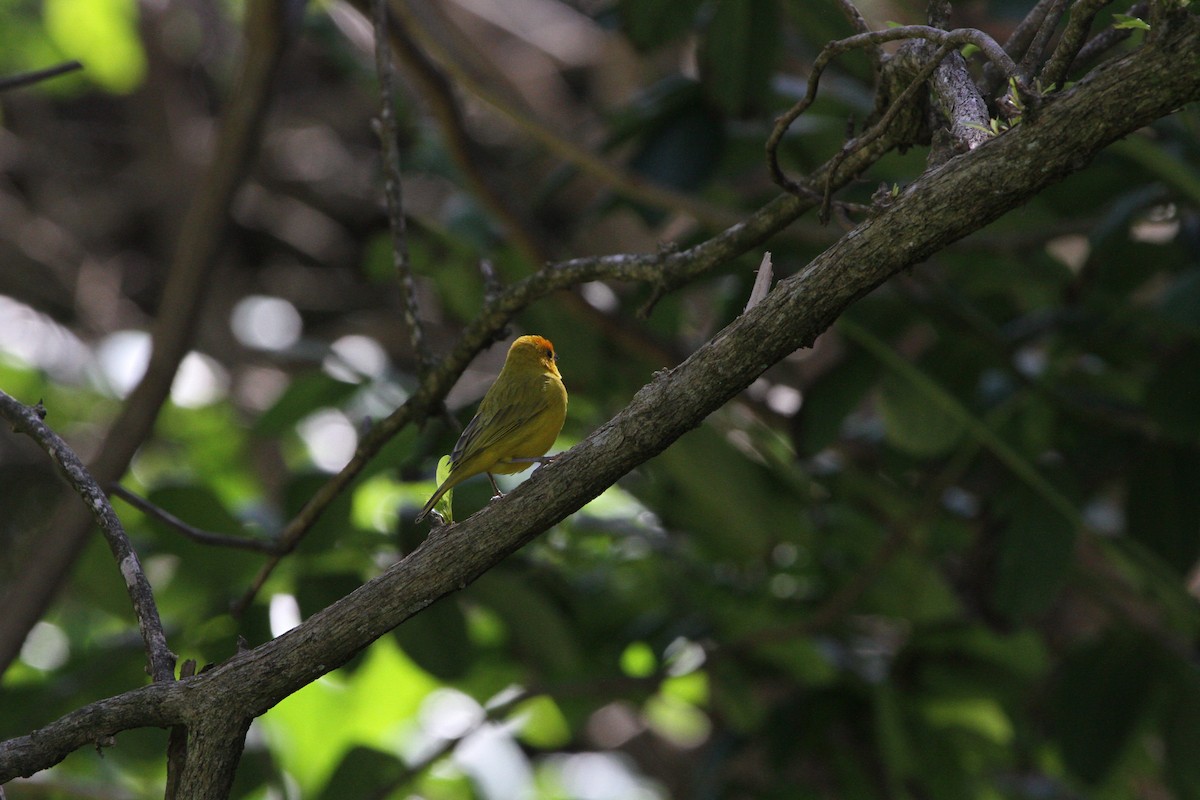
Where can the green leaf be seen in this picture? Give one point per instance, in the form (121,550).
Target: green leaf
(103,34)
(638,660)
(651,23)
(1181,301)
(1163,508)
(829,401)
(978,428)
(436,639)
(1035,553)
(1100,698)
(914,424)
(1181,735)
(361,773)
(541,633)
(1171,396)
(684,150)
(444,507)
(1126,22)
(542,723)
(738,54)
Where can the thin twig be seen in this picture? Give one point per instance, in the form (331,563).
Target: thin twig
(856,20)
(393,187)
(878,129)
(1018,41)
(1106,39)
(1016,45)
(955,38)
(1036,53)
(191,532)
(1080,22)
(39,75)
(441,84)
(29,421)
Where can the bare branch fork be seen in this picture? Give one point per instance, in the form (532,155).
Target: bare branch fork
(940,207)
(161,661)
(946,41)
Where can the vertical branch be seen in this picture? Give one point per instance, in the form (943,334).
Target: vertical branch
(1082,14)
(389,139)
(1017,44)
(1029,63)
(214,747)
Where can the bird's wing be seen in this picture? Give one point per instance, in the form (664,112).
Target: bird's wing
(499,417)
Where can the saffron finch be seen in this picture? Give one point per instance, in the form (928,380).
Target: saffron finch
(517,421)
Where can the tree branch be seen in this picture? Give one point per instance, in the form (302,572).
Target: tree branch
(215,740)
(1080,22)
(155,706)
(390,152)
(37,76)
(160,659)
(944,39)
(1028,66)
(191,532)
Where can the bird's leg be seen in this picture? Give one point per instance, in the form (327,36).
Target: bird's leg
(495,488)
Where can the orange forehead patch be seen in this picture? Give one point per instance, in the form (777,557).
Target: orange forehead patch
(540,342)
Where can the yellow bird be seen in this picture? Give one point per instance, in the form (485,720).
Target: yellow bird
(517,421)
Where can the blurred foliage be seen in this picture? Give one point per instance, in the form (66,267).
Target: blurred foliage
(945,553)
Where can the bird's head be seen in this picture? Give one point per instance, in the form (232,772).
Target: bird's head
(530,351)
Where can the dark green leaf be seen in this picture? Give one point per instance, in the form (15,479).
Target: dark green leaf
(436,639)
(1181,735)
(1172,396)
(1163,509)
(737,57)
(1035,553)
(1100,698)
(830,400)
(651,23)
(363,771)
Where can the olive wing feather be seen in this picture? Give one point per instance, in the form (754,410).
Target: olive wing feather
(500,416)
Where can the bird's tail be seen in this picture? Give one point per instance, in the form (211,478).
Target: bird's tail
(441,490)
